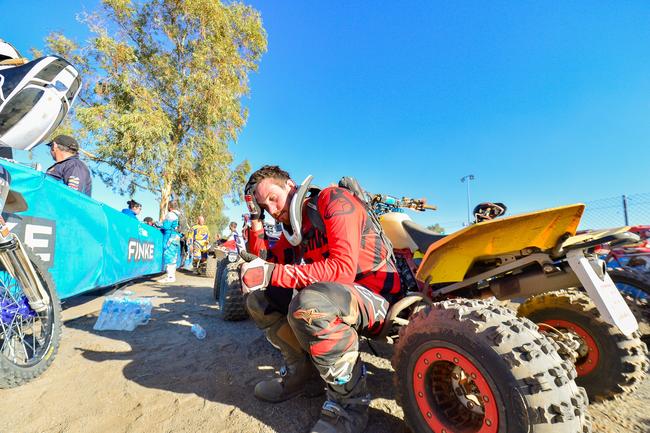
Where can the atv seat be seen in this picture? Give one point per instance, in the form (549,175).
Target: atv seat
(422,237)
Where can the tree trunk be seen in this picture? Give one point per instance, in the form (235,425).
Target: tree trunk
(165,196)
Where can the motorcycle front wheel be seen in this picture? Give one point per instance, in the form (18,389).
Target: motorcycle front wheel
(29,340)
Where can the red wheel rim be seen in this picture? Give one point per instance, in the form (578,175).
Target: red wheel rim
(424,390)
(586,364)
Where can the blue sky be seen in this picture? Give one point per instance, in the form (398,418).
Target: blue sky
(546,103)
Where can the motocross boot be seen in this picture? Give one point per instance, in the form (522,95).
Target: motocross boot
(347,405)
(297,377)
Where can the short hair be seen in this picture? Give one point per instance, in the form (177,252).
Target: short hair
(148,220)
(266,172)
(232,223)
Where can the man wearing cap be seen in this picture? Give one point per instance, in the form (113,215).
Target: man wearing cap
(68,167)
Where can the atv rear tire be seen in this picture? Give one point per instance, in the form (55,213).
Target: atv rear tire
(471,365)
(211,267)
(221,266)
(610,363)
(45,327)
(634,285)
(231,298)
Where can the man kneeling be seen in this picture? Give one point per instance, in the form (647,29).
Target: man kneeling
(342,273)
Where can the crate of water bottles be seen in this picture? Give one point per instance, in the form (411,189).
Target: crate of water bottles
(123,313)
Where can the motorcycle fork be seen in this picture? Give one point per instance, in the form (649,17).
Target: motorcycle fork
(16,263)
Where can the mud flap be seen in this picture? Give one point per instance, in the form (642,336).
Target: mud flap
(603,293)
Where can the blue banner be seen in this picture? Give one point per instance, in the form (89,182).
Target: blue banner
(83,244)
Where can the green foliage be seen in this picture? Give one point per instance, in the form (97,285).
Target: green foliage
(437,228)
(162,97)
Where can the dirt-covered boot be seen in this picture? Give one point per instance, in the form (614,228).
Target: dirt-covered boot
(296,378)
(346,408)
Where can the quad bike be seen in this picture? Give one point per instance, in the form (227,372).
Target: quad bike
(535,259)
(216,252)
(34,98)
(227,291)
(463,362)
(227,288)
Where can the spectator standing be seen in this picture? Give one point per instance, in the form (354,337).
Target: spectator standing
(171,241)
(68,168)
(133,208)
(199,242)
(234,238)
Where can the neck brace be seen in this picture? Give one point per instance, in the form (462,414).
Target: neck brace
(294,232)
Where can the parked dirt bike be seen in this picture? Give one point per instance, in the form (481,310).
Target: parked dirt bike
(635,255)
(34,98)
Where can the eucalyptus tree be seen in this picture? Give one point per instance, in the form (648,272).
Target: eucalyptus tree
(163,96)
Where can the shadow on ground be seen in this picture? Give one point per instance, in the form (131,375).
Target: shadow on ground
(225,366)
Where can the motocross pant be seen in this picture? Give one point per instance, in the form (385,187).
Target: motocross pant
(326,319)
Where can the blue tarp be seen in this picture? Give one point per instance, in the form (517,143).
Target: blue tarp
(83,244)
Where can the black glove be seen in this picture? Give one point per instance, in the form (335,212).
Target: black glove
(256,212)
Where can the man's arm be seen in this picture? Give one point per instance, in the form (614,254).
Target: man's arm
(281,252)
(344,218)
(75,176)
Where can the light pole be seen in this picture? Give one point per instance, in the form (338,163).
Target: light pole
(466,179)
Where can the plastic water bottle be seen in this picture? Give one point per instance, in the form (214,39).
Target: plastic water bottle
(198,331)
(144,306)
(129,320)
(100,325)
(120,315)
(123,313)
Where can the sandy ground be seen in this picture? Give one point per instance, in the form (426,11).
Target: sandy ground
(160,378)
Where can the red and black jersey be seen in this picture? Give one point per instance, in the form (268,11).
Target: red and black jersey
(350,250)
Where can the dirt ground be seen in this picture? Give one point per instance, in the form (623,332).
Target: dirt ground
(160,378)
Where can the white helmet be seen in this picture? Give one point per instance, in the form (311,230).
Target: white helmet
(34,99)
(8,51)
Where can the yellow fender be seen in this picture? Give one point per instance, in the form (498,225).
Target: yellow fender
(449,259)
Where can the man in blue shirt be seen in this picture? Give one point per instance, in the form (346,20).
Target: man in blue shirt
(68,167)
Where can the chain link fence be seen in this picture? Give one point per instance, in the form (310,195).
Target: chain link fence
(618,211)
(623,210)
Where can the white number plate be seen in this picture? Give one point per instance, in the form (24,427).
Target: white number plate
(603,293)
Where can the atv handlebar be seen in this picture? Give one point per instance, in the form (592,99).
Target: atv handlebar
(404,202)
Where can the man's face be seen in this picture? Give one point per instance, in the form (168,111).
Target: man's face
(53,151)
(274,198)
(200,220)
